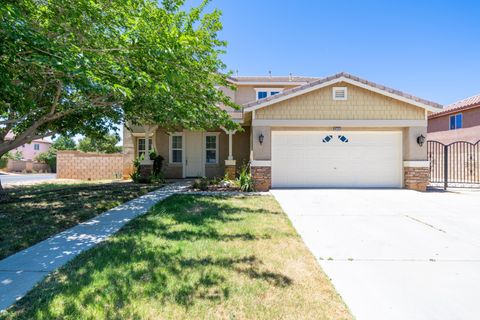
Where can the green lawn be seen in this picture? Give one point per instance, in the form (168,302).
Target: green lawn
(192,257)
(38,211)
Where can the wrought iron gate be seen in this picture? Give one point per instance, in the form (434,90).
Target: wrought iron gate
(454,165)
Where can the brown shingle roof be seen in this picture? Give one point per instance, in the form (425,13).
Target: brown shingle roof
(344,75)
(471,102)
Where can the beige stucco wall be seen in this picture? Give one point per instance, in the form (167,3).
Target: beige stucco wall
(128,153)
(411,150)
(361,104)
(246,93)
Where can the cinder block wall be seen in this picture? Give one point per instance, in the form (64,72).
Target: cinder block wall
(26,166)
(89,166)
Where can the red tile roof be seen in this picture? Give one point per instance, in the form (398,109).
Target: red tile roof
(471,102)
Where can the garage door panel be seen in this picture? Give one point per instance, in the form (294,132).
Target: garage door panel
(368,159)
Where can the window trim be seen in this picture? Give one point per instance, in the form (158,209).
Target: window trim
(137,154)
(268,91)
(455,117)
(170,148)
(217,137)
(345,89)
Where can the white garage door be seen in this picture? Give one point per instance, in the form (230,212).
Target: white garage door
(361,159)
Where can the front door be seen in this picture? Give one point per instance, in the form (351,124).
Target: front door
(193,161)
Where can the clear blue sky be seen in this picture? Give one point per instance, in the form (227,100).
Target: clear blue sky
(426,48)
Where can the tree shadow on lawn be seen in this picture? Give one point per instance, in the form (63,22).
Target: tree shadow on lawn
(37,212)
(149,262)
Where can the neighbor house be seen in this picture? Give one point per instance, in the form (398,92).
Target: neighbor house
(338,131)
(31,150)
(457,122)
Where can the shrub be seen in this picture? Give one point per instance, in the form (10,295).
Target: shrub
(135,175)
(157,178)
(50,158)
(245,179)
(201,184)
(3,162)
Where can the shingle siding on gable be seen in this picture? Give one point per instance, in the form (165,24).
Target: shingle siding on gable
(360,105)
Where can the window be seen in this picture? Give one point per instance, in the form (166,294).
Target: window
(211,145)
(343,138)
(327,138)
(456,121)
(176,148)
(267,92)
(36,146)
(339,93)
(141,148)
(261,94)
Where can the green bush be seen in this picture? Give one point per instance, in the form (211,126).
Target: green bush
(157,178)
(50,158)
(201,184)
(245,179)
(3,162)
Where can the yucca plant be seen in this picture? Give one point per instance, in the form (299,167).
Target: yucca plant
(245,179)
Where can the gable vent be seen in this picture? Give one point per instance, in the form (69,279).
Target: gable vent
(339,93)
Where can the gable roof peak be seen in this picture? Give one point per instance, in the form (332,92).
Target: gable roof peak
(354,80)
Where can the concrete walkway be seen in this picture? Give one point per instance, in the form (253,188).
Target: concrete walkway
(21,271)
(394,254)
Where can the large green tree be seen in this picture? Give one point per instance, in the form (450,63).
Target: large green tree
(105,144)
(82,66)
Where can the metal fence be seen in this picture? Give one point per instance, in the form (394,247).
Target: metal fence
(454,165)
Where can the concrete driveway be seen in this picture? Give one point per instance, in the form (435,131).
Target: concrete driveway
(394,254)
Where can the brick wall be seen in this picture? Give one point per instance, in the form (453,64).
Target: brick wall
(416,178)
(262,178)
(89,166)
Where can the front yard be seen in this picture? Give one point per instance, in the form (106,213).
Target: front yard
(192,257)
(39,211)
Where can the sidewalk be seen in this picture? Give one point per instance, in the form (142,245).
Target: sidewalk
(21,271)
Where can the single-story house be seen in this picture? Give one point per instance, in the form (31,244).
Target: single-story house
(459,121)
(340,131)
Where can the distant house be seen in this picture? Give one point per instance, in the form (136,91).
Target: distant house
(457,122)
(31,150)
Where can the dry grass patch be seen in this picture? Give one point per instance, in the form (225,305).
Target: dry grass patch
(193,257)
(39,211)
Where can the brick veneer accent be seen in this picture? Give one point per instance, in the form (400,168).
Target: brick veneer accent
(88,166)
(416,178)
(262,178)
(230,171)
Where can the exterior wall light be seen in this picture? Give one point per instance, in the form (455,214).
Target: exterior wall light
(260,138)
(421,140)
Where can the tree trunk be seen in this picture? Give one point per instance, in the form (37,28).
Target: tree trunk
(4,197)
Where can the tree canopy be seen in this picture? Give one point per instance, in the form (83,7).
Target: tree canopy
(105,144)
(81,66)
(64,143)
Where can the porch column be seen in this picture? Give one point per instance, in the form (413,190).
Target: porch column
(230,163)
